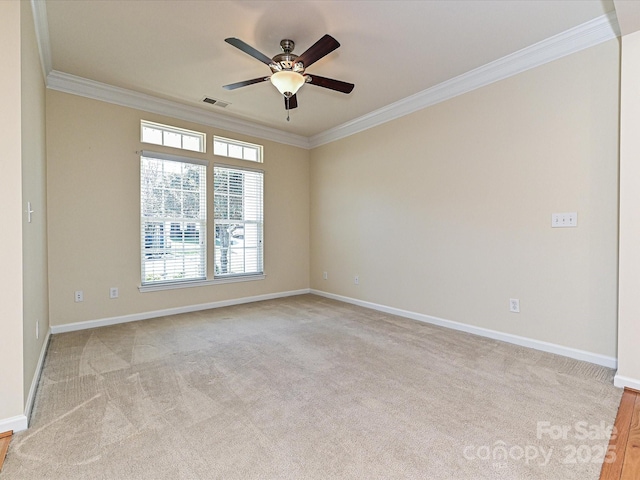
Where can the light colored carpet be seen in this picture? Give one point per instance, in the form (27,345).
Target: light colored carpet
(308,388)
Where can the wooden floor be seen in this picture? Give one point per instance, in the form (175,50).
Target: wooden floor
(5,439)
(626,443)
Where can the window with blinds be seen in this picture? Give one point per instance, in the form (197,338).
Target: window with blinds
(238,213)
(173,218)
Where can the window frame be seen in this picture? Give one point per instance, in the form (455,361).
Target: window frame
(174,130)
(238,143)
(202,221)
(259,223)
(210,277)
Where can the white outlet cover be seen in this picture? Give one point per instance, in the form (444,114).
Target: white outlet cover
(514,305)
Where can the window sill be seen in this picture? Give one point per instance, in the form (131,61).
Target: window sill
(199,283)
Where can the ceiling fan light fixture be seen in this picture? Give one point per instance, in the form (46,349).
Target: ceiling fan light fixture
(287,82)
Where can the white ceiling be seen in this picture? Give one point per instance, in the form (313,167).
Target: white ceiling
(175,50)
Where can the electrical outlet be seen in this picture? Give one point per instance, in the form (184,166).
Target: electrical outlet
(356,280)
(113,292)
(79,296)
(514,305)
(325,275)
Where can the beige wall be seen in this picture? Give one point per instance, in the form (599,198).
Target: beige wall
(34,241)
(93,195)
(23,286)
(11,391)
(447,211)
(629,299)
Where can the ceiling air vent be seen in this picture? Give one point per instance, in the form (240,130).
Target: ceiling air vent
(217,103)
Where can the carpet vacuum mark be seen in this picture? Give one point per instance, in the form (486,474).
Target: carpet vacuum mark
(309,388)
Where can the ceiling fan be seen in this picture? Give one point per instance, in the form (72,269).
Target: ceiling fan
(288,69)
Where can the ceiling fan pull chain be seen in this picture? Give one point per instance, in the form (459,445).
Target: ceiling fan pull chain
(287,98)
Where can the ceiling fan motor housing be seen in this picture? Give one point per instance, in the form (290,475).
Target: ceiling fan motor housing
(287,59)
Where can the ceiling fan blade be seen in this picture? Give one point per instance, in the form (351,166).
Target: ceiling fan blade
(315,52)
(248,49)
(291,103)
(330,83)
(233,86)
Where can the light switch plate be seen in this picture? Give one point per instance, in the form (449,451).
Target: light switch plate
(560,220)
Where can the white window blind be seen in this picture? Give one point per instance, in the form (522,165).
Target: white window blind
(238,212)
(173,218)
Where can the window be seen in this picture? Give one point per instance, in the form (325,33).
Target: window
(226,147)
(173,218)
(237,202)
(159,134)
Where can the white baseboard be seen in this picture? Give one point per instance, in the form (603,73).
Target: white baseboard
(17,423)
(596,358)
(21,422)
(103,322)
(36,377)
(622,381)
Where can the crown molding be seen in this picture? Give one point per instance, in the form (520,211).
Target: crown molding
(39,9)
(64,82)
(583,36)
